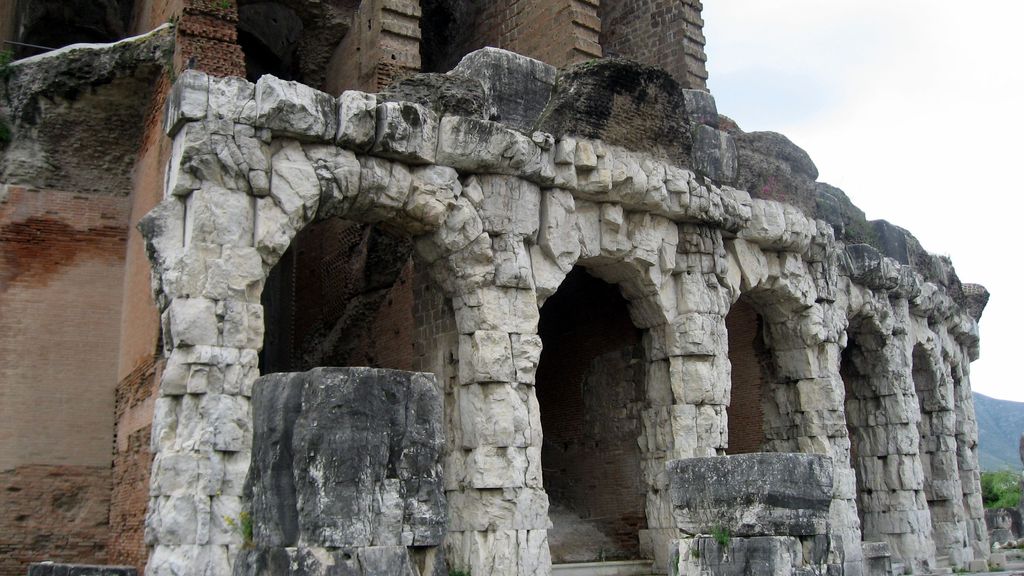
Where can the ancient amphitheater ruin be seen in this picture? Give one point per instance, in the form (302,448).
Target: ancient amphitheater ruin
(601,329)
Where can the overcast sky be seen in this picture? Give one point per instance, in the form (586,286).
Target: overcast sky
(916,109)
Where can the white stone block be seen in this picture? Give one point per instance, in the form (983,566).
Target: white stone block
(485,356)
(294,109)
(406,132)
(192,322)
(357,120)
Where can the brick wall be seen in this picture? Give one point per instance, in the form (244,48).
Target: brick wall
(590,390)
(133,413)
(208,38)
(664,33)
(383,45)
(61,264)
(559,32)
(53,512)
(747,355)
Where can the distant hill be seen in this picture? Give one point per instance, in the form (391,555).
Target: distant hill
(1000,424)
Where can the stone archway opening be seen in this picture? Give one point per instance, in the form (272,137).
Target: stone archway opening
(937,428)
(881,409)
(341,295)
(590,388)
(751,365)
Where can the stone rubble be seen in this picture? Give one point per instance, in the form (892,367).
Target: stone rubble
(499,217)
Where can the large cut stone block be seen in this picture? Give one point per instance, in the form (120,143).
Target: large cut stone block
(347,457)
(766,494)
(517,87)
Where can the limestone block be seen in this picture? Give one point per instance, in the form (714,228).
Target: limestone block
(192,322)
(241,324)
(615,241)
(273,231)
(170,560)
(753,494)
(493,467)
(512,267)
(233,98)
(187,473)
(494,415)
(586,158)
(434,190)
(468,269)
(869,267)
(357,120)
(237,274)
(226,419)
(658,384)
(175,520)
(348,415)
(557,225)
(165,423)
(485,356)
(526,349)
(215,215)
(517,87)
(187,102)
(767,555)
(296,110)
(657,431)
(294,185)
(497,309)
(714,154)
(222,531)
(479,146)
(507,205)
(338,172)
(406,132)
(489,510)
(700,379)
(547,274)
(462,226)
(384,188)
(695,334)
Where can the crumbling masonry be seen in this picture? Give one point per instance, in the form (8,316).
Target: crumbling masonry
(622,297)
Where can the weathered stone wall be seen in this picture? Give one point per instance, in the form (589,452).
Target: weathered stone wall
(499,218)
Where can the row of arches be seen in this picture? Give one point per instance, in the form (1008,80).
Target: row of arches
(353,294)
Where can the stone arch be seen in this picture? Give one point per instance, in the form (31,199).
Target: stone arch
(591,394)
(934,387)
(882,416)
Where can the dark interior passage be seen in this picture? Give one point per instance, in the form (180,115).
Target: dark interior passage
(342,295)
(750,361)
(590,386)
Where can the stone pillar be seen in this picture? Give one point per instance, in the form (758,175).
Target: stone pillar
(492,475)
(967,460)
(383,45)
(882,413)
(942,487)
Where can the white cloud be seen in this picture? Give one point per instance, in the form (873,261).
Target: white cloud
(914,108)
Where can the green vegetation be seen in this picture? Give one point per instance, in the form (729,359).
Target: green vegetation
(721,535)
(6,57)
(244,527)
(1000,489)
